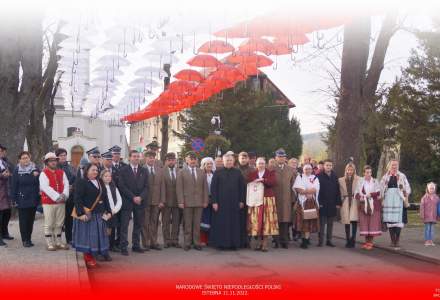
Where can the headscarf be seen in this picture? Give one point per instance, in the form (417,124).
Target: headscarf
(26,169)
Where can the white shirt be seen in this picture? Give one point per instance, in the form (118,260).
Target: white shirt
(209,179)
(49,191)
(115,208)
(134,167)
(261,174)
(2,165)
(172,172)
(306,182)
(191,170)
(95,183)
(151,169)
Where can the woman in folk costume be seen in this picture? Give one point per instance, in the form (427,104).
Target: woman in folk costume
(349,209)
(90,213)
(370,207)
(207,164)
(263,219)
(394,190)
(115,203)
(307,187)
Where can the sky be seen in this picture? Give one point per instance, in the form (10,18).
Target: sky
(305,80)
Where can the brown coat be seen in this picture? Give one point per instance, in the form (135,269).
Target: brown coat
(285,197)
(170,188)
(348,213)
(156,186)
(189,193)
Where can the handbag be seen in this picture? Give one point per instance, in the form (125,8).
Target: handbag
(255,194)
(310,214)
(86,209)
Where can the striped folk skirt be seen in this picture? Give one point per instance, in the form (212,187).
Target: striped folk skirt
(392,211)
(263,219)
(91,236)
(371,225)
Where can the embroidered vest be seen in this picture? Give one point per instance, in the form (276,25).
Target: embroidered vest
(55,182)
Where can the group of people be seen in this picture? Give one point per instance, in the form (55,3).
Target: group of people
(227,202)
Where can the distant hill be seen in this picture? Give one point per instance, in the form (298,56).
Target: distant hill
(314,146)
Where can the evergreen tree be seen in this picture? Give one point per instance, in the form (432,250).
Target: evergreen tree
(251,121)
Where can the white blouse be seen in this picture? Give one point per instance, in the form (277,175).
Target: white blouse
(304,182)
(115,208)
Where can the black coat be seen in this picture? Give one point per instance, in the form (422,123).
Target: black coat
(131,186)
(25,189)
(228,189)
(115,171)
(329,194)
(86,194)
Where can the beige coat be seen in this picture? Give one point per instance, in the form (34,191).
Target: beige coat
(349,213)
(170,188)
(156,186)
(190,193)
(285,197)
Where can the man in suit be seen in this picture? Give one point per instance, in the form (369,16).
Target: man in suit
(133,185)
(171,212)
(156,200)
(192,196)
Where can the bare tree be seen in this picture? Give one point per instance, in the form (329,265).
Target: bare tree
(39,130)
(20,77)
(359,83)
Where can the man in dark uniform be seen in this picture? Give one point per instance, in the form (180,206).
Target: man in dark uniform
(94,156)
(107,161)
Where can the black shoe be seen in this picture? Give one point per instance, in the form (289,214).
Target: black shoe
(107,257)
(352,243)
(167,246)
(115,249)
(137,250)
(348,244)
(197,247)
(2,243)
(276,245)
(177,245)
(319,244)
(32,244)
(330,244)
(100,257)
(124,251)
(27,244)
(304,244)
(8,237)
(284,246)
(156,247)
(186,248)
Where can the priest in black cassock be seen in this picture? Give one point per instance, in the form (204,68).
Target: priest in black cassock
(228,195)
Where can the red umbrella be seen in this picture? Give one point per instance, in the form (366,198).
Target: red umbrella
(244,58)
(181,87)
(249,69)
(257,44)
(190,75)
(204,60)
(230,73)
(216,46)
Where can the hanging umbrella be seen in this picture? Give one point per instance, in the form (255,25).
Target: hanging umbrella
(230,73)
(244,58)
(249,69)
(216,46)
(162,57)
(150,71)
(147,81)
(182,86)
(104,69)
(119,47)
(204,60)
(190,75)
(257,44)
(112,59)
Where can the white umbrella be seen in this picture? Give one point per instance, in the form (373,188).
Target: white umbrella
(161,57)
(112,59)
(119,47)
(77,43)
(150,71)
(111,71)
